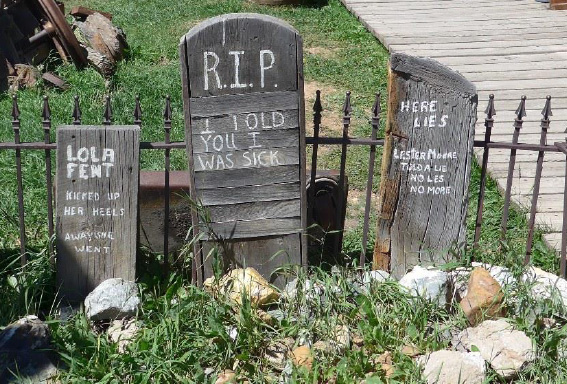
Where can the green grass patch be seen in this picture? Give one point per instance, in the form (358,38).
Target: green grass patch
(185,331)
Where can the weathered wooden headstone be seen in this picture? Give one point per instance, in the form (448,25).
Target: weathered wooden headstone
(426,164)
(97,206)
(243,101)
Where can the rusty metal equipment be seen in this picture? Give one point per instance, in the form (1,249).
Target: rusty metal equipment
(30,29)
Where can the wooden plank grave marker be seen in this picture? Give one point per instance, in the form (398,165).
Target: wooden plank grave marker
(96,205)
(426,165)
(245,132)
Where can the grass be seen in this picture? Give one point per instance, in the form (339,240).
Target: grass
(184,331)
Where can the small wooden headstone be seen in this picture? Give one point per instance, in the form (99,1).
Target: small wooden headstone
(97,206)
(426,165)
(245,133)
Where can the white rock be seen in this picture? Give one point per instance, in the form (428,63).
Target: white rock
(243,282)
(428,283)
(340,337)
(113,299)
(451,367)
(232,332)
(122,332)
(458,282)
(361,284)
(505,349)
(546,285)
(311,290)
(376,276)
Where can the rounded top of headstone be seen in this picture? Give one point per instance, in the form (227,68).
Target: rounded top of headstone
(432,72)
(236,16)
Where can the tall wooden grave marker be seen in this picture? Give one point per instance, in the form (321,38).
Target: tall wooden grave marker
(243,101)
(97,206)
(426,164)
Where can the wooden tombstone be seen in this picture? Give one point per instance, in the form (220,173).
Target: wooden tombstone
(426,165)
(97,206)
(244,117)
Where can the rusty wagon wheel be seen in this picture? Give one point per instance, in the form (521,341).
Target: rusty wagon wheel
(63,33)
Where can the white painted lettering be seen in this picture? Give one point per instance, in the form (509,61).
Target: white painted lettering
(250,126)
(236,83)
(264,67)
(254,145)
(213,69)
(278,119)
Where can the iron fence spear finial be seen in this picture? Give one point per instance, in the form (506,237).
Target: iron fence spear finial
(46,112)
(376,109)
(546,112)
(108,112)
(521,110)
(490,110)
(347,109)
(77,111)
(15,108)
(167,110)
(138,111)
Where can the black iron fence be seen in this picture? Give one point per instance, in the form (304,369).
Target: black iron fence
(344,142)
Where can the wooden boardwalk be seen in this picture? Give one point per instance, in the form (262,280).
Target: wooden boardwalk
(506,47)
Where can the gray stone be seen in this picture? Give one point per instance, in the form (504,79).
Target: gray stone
(25,352)
(277,353)
(431,284)
(279,314)
(66,312)
(311,290)
(451,367)
(113,299)
(505,349)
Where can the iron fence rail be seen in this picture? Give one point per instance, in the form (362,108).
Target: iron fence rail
(315,141)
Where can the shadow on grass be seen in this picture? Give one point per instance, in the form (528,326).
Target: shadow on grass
(313,3)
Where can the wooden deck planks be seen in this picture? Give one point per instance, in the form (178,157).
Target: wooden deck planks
(508,48)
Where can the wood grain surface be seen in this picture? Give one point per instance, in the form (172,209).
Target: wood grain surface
(426,165)
(96,206)
(508,48)
(243,102)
